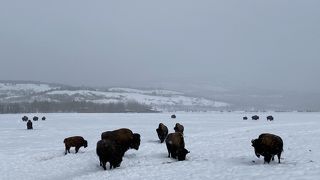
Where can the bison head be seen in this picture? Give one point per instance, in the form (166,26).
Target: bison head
(256,145)
(136,141)
(181,153)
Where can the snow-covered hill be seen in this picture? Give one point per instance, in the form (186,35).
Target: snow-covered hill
(158,99)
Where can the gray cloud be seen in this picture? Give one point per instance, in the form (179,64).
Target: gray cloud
(268,44)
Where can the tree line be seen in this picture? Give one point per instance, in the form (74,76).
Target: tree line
(73,106)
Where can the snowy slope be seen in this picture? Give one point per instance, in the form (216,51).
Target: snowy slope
(158,99)
(219,143)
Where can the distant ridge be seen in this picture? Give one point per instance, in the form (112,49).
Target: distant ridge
(30,96)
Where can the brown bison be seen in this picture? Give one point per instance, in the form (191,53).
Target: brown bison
(25,118)
(124,137)
(162,132)
(109,151)
(255,117)
(179,128)
(43,118)
(175,146)
(269,118)
(75,141)
(173,116)
(245,118)
(35,118)
(29,124)
(268,145)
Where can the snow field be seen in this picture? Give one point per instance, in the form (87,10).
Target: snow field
(220,145)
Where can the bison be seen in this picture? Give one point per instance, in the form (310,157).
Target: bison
(270,118)
(75,141)
(245,118)
(268,145)
(255,117)
(179,128)
(162,132)
(43,118)
(109,151)
(35,118)
(124,137)
(175,145)
(25,118)
(29,124)
(173,116)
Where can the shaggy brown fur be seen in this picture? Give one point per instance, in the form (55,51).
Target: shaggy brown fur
(109,151)
(179,128)
(175,146)
(75,141)
(124,137)
(162,132)
(268,145)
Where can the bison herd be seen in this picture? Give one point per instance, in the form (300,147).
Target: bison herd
(29,122)
(113,144)
(256,117)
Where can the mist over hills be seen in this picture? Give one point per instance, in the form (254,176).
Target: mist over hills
(29,96)
(32,96)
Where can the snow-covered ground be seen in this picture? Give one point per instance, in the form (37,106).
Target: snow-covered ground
(220,145)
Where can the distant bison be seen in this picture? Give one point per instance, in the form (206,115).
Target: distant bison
(109,151)
(270,118)
(75,141)
(124,137)
(178,128)
(175,146)
(255,117)
(29,124)
(25,118)
(245,118)
(162,132)
(173,116)
(35,118)
(268,145)
(43,118)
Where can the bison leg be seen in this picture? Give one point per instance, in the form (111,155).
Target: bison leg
(267,158)
(279,156)
(104,165)
(77,149)
(169,149)
(67,150)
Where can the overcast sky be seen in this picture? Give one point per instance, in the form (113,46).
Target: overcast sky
(273,44)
